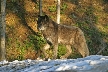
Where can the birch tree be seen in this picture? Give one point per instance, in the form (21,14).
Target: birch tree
(58,11)
(2,31)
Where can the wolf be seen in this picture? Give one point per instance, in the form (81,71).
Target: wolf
(56,34)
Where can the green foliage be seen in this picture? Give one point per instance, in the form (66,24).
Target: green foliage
(37,40)
(34,42)
(52,8)
(106,26)
(63,8)
(61,50)
(19,48)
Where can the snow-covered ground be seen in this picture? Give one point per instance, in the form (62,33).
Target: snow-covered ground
(93,63)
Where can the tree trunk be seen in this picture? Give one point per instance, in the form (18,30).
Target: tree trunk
(58,11)
(40,7)
(2,29)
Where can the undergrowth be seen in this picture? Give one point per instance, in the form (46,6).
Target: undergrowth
(21,43)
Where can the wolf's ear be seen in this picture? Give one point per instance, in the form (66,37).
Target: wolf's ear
(40,16)
(46,18)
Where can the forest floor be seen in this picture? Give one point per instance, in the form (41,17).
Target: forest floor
(22,41)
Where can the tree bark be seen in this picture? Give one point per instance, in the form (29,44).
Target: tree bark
(2,29)
(58,11)
(40,7)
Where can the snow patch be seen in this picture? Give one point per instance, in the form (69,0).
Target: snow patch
(93,63)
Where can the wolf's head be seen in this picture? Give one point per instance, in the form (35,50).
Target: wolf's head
(42,22)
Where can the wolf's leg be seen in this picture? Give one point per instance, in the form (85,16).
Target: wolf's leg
(80,43)
(86,50)
(81,46)
(46,46)
(55,51)
(69,51)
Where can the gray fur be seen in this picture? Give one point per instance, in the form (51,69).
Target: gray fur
(56,33)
